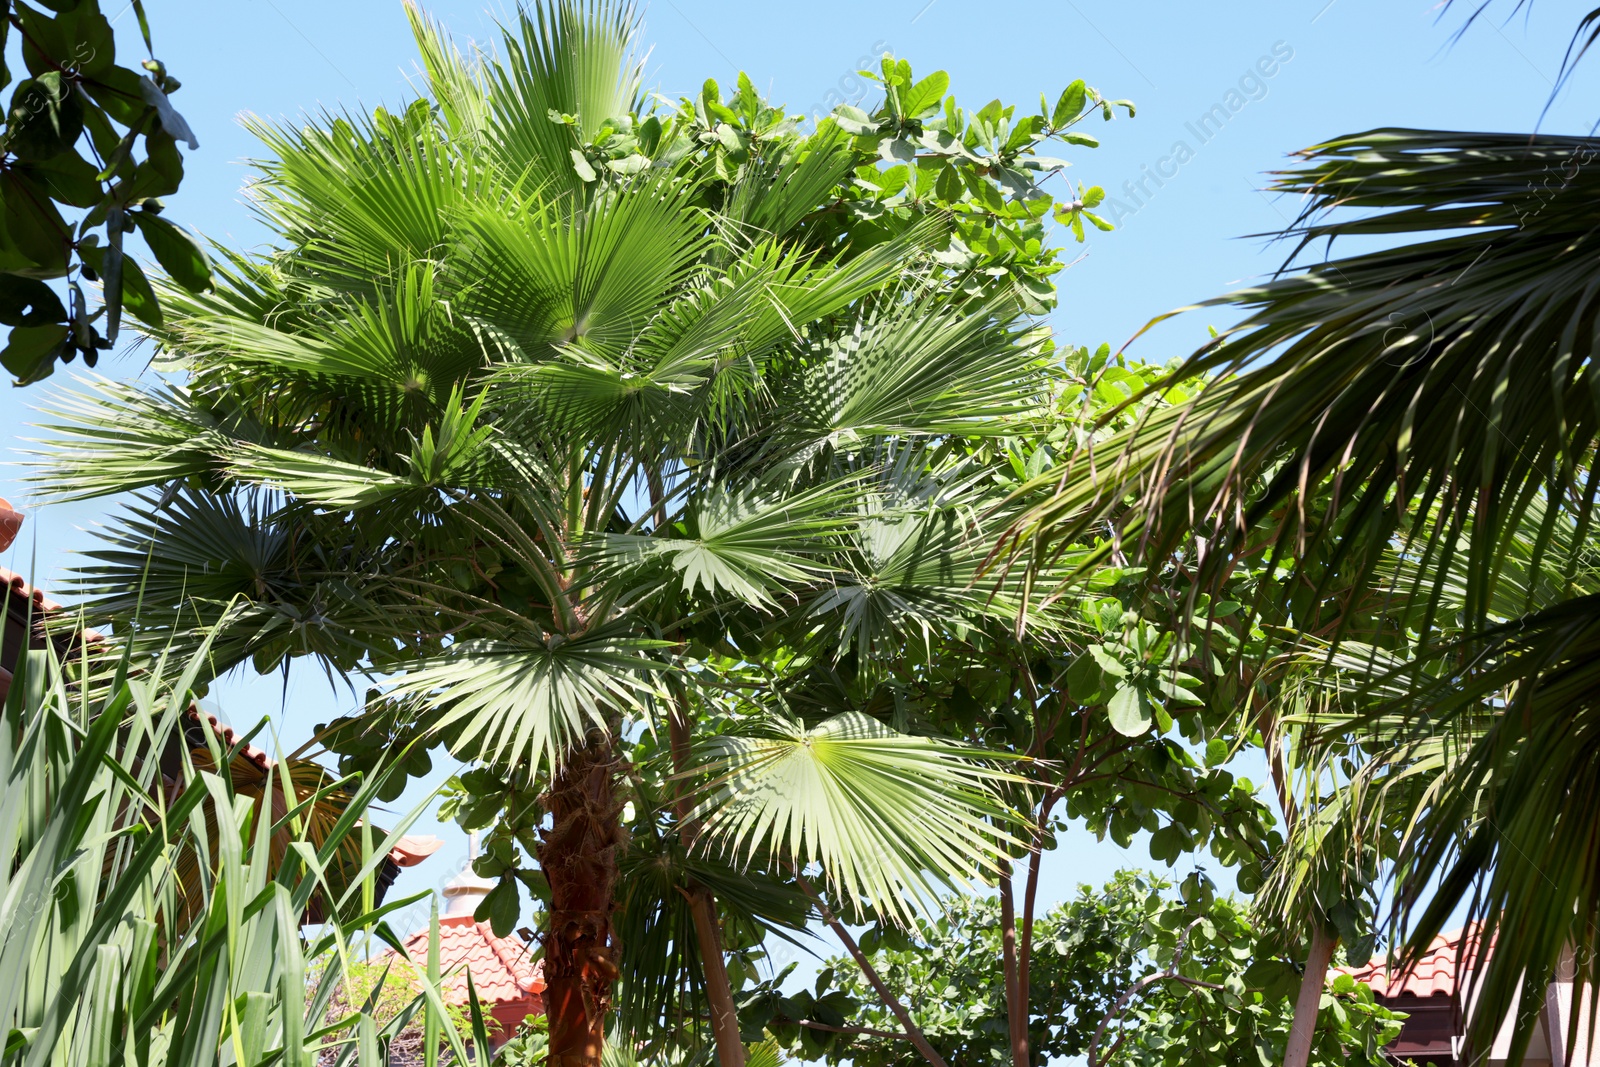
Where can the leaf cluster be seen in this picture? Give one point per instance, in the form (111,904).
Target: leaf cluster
(83,133)
(1130,972)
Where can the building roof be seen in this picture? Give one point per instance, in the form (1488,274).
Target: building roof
(507,979)
(503,969)
(19,588)
(23,609)
(1439,971)
(10,523)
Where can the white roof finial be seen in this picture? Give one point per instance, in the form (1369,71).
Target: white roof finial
(466,890)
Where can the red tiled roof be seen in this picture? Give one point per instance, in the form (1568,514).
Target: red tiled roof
(20,589)
(503,969)
(15,606)
(1439,972)
(410,851)
(10,523)
(228,737)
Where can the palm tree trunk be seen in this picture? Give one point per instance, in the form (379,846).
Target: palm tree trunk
(1297,1053)
(578,855)
(719,991)
(1016,999)
(703,907)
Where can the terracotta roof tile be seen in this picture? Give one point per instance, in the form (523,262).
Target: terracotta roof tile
(410,851)
(1438,972)
(503,969)
(10,523)
(20,589)
(228,737)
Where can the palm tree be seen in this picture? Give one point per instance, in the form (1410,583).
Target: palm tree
(564,421)
(1434,399)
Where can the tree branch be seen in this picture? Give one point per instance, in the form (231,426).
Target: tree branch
(1016,1001)
(890,1001)
(1170,974)
(1030,896)
(812,1024)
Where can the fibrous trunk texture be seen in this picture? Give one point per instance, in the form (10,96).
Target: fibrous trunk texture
(578,854)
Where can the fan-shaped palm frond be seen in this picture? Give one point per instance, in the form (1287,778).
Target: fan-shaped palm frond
(531,702)
(917,564)
(591,281)
(119,438)
(362,199)
(577,60)
(460,456)
(887,815)
(663,983)
(902,370)
(234,570)
(746,544)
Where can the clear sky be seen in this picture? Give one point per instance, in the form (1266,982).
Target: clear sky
(1336,67)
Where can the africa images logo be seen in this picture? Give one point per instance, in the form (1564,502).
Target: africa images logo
(1251,86)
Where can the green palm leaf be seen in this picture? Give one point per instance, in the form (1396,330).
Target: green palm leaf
(904,370)
(461,455)
(361,199)
(1451,379)
(778,191)
(120,438)
(456,83)
(574,58)
(235,569)
(1508,790)
(751,545)
(918,566)
(530,702)
(887,815)
(1458,368)
(592,281)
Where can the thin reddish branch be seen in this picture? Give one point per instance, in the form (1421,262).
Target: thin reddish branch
(913,1032)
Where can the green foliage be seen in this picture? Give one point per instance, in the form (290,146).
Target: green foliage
(581,421)
(863,178)
(1408,434)
(541,465)
(1128,974)
(528,1046)
(73,135)
(388,991)
(148,917)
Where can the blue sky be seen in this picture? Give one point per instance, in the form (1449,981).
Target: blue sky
(1186,214)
